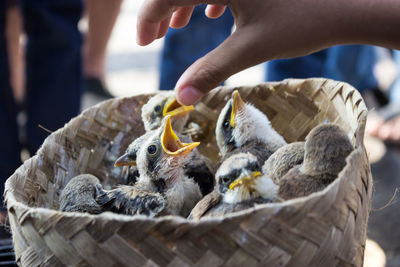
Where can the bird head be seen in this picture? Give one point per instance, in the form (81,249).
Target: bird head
(162,105)
(163,155)
(129,157)
(240,178)
(326,149)
(240,122)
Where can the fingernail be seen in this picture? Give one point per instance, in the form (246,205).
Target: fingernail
(189,95)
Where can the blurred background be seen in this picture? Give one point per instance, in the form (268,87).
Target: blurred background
(109,63)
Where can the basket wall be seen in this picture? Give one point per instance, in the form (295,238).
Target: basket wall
(327,228)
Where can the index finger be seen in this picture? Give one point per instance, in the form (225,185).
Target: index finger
(153,12)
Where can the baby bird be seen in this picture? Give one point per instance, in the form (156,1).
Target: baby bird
(198,168)
(240,185)
(160,160)
(244,128)
(79,195)
(284,159)
(161,105)
(326,149)
(130,172)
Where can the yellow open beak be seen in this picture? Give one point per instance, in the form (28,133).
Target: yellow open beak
(237,105)
(173,108)
(171,143)
(246,181)
(124,160)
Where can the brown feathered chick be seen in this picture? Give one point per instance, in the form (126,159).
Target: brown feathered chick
(326,149)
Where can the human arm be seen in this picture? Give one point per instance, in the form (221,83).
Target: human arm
(270,29)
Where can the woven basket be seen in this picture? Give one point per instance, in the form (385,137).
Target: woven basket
(327,228)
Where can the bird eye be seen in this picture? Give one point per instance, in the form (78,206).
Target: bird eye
(157,109)
(254,166)
(226,124)
(225,179)
(152,149)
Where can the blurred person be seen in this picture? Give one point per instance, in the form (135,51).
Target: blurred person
(353,64)
(102,15)
(385,123)
(15,50)
(184,46)
(53,76)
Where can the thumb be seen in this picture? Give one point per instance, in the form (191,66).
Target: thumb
(236,53)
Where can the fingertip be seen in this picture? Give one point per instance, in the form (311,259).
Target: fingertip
(214,11)
(147,32)
(181,17)
(188,95)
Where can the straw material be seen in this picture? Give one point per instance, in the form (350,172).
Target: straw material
(327,228)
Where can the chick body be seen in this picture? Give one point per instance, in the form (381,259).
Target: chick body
(241,127)
(198,168)
(79,195)
(160,160)
(326,149)
(240,185)
(284,159)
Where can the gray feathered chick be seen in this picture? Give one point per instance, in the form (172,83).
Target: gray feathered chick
(240,185)
(326,149)
(284,159)
(80,193)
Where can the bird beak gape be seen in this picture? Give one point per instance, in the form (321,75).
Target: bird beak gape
(237,106)
(173,108)
(247,181)
(124,160)
(171,144)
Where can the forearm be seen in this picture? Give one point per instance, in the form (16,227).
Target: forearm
(374,22)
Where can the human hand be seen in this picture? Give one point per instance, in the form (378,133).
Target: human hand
(267,29)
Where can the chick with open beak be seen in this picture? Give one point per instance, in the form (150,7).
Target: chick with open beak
(244,128)
(161,105)
(198,168)
(241,185)
(160,160)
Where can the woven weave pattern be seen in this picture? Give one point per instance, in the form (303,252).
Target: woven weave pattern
(327,228)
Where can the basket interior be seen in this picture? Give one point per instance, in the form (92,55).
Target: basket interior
(91,142)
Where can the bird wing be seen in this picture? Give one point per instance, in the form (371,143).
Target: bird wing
(200,169)
(205,204)
(131,200)
(283,160)
(297,184)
